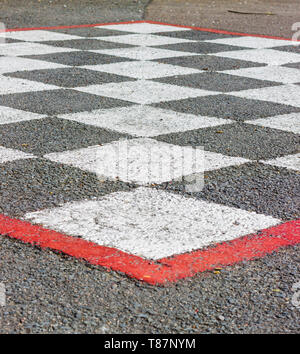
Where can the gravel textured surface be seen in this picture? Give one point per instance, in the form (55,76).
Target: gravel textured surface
(235,139)
(30,186)
(272,17)
(252,187)
(51,293)
(54,134)
(48,292)
(18,13)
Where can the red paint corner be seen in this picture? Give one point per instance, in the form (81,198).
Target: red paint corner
(165,270)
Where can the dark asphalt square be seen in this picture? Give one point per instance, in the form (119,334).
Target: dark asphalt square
(238,139)
(78,58)
(91,32)
(33,184)
(200,47)
(86,44)
(69,77)
(226,106)
(256,187)
(218,82)
(54,102)
(209,62)
(288,48)
(293,65)
(194,35)
(9,40)
(43,136)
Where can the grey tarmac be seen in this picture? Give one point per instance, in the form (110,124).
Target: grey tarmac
(52,293)
(47,292)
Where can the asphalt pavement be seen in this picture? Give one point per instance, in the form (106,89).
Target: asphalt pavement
(48,292)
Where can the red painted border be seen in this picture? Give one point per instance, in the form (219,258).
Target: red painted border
(153,22)
(164,270)
(167,269)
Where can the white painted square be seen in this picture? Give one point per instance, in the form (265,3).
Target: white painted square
(143,69)
(144,121)
(287,122)
(290,161)
(9,64)
(284,94)
(144,28)
(12,85)
(7,155)
(11,115)
(251,42)
(39,36)
(266,56)
(28,48)
(151,223)
(144,39)
(143,160)
(144,53)
(271,73)
(144,92)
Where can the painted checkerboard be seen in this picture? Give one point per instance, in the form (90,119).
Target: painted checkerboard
(93,116)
